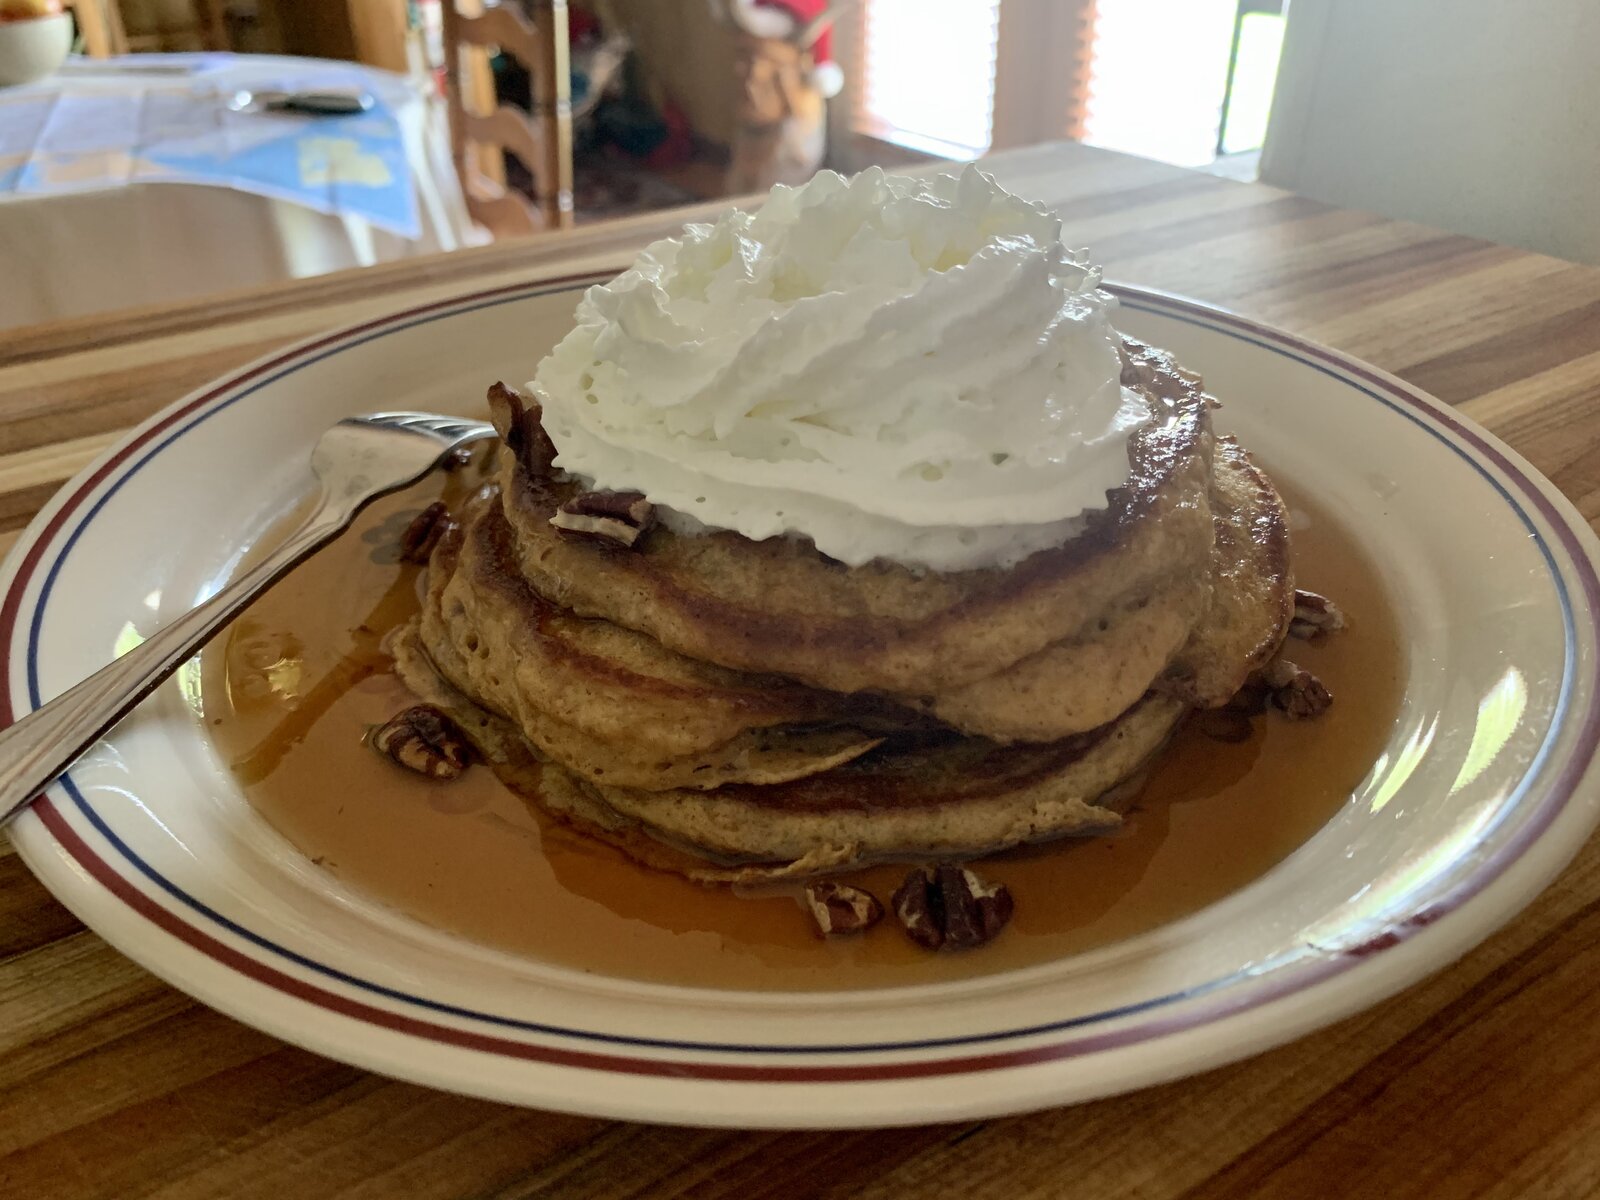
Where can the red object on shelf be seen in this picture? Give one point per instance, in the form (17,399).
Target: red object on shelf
(581,25)
(804,12)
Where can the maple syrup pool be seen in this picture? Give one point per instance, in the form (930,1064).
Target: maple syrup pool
(290,690)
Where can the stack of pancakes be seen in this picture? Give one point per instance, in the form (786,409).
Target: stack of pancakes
(735,709)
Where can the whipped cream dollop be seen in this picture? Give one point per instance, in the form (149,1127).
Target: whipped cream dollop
(907,369)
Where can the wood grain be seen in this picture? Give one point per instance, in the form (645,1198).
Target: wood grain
(1483,1081)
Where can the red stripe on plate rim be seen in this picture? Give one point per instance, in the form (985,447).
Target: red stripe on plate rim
(125,890)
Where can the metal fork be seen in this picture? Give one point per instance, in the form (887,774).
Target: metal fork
(358,460)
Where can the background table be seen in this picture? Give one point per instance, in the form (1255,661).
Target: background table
(68,252)
(1482,1081)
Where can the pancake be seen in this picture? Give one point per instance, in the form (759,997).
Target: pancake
(739,710)
(527,663)
(954,798)
(612,683)
(758,756)
(1084,682)
(945,797)
(1077,684)
(779,607)
(607,680)
(1252,601)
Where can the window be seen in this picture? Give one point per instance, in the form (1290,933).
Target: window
(954,78)
(1159,94)
(928,73)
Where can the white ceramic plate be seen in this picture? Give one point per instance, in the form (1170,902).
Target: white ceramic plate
(1485,791)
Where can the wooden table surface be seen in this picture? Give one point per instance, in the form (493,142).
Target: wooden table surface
(1482,1081)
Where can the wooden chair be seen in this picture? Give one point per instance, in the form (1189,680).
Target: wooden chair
(482,130)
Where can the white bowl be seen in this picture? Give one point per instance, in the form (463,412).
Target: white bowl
(33,48)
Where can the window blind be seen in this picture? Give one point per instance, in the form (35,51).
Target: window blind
(1157,72)
(928,74)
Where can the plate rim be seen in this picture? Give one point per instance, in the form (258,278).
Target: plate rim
(1578,542)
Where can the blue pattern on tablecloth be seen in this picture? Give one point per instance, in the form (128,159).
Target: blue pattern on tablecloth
(78,134)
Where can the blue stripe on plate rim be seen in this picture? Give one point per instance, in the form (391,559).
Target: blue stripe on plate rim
(1316,964)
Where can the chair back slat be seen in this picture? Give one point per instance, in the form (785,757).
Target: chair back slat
(508,213)
(509,30)
(512,130)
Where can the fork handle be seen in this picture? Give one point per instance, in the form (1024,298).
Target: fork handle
(38,749)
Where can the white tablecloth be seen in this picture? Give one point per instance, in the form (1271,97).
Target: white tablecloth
(75,252)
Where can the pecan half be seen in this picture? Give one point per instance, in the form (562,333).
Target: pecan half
(520,423)
(1296,692)
(950,907)
(617,517)
(1314,615)
(423,534)
(838,908)
(424,740)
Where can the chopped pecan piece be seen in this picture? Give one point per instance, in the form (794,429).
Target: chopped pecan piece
(619,517)
(1314,615)
(917,910)
(1296,692)
(839,908)
(423,534)
(458,458)
(424,740)
(950,907)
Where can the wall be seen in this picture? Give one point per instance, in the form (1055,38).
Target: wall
(1478,116)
